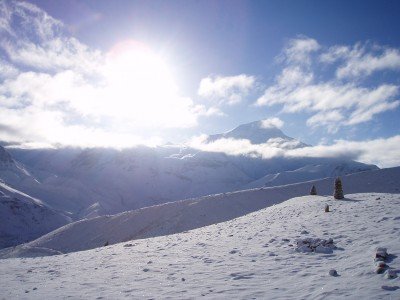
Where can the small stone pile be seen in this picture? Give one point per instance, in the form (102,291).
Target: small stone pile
(381,257)
(316,245)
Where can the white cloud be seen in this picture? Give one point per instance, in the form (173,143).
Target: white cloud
(299,50)
(272,122)
(226,90)
(362,60)
(201,110)
(236,147)
(294,76)
(72,95)
(382,152)
(7,70)
(330,119)
(334,103)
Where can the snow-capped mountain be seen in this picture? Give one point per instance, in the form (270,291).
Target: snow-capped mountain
(97,181)
(249,257)
(12,171)
(256,133)
(189,214)
(24,218)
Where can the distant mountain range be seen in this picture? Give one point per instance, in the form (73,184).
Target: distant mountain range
(84,183)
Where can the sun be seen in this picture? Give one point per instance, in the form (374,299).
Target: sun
(140,87)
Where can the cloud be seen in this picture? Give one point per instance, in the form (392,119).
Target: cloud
(299,50)
(361,60)
(334,103)
(201,110)
(272,122)
(232,146)
(384,152)
(55,89)
(226,90)
(31,38)
(331,119)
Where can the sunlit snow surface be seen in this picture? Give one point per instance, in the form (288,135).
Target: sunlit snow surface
(252,256)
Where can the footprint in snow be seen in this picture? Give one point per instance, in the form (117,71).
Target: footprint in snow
(390,288)
(239,276)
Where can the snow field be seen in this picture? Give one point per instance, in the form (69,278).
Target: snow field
(253,256)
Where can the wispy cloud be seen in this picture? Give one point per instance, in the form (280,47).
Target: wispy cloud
(361,59)
(383,152)
(334,102)
(272,122)
(55,89)
(299,50)
(226,90)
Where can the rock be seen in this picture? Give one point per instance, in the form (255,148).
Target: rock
(390,274)
(379,270)
(315,245)
(333,272)
(381,253)
(323,249)
(381,264)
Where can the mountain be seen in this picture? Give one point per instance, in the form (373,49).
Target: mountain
(12,171)
(256,133)
(267,254)
(97,181)
(24,218)
(189,214)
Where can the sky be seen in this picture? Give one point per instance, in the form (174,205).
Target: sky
(121,73)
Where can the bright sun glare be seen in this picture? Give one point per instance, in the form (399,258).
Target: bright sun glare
(141,85)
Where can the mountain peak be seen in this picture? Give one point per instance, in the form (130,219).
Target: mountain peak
(255,132)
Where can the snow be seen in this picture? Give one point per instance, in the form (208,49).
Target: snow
(256,134)
(189,214)
(98,181)
(24,218)
(249,257)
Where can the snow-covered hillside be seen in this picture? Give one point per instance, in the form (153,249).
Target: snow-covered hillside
(24,218)
(98,181)
(311,172)
(252,257)
(185,215)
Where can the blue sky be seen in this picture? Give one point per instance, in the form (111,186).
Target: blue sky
(323,71)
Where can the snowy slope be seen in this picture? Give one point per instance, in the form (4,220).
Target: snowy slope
(24,218)
(119,180)
(12,171)
(311,172)
(179,216)
(251,257)
(93,182)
